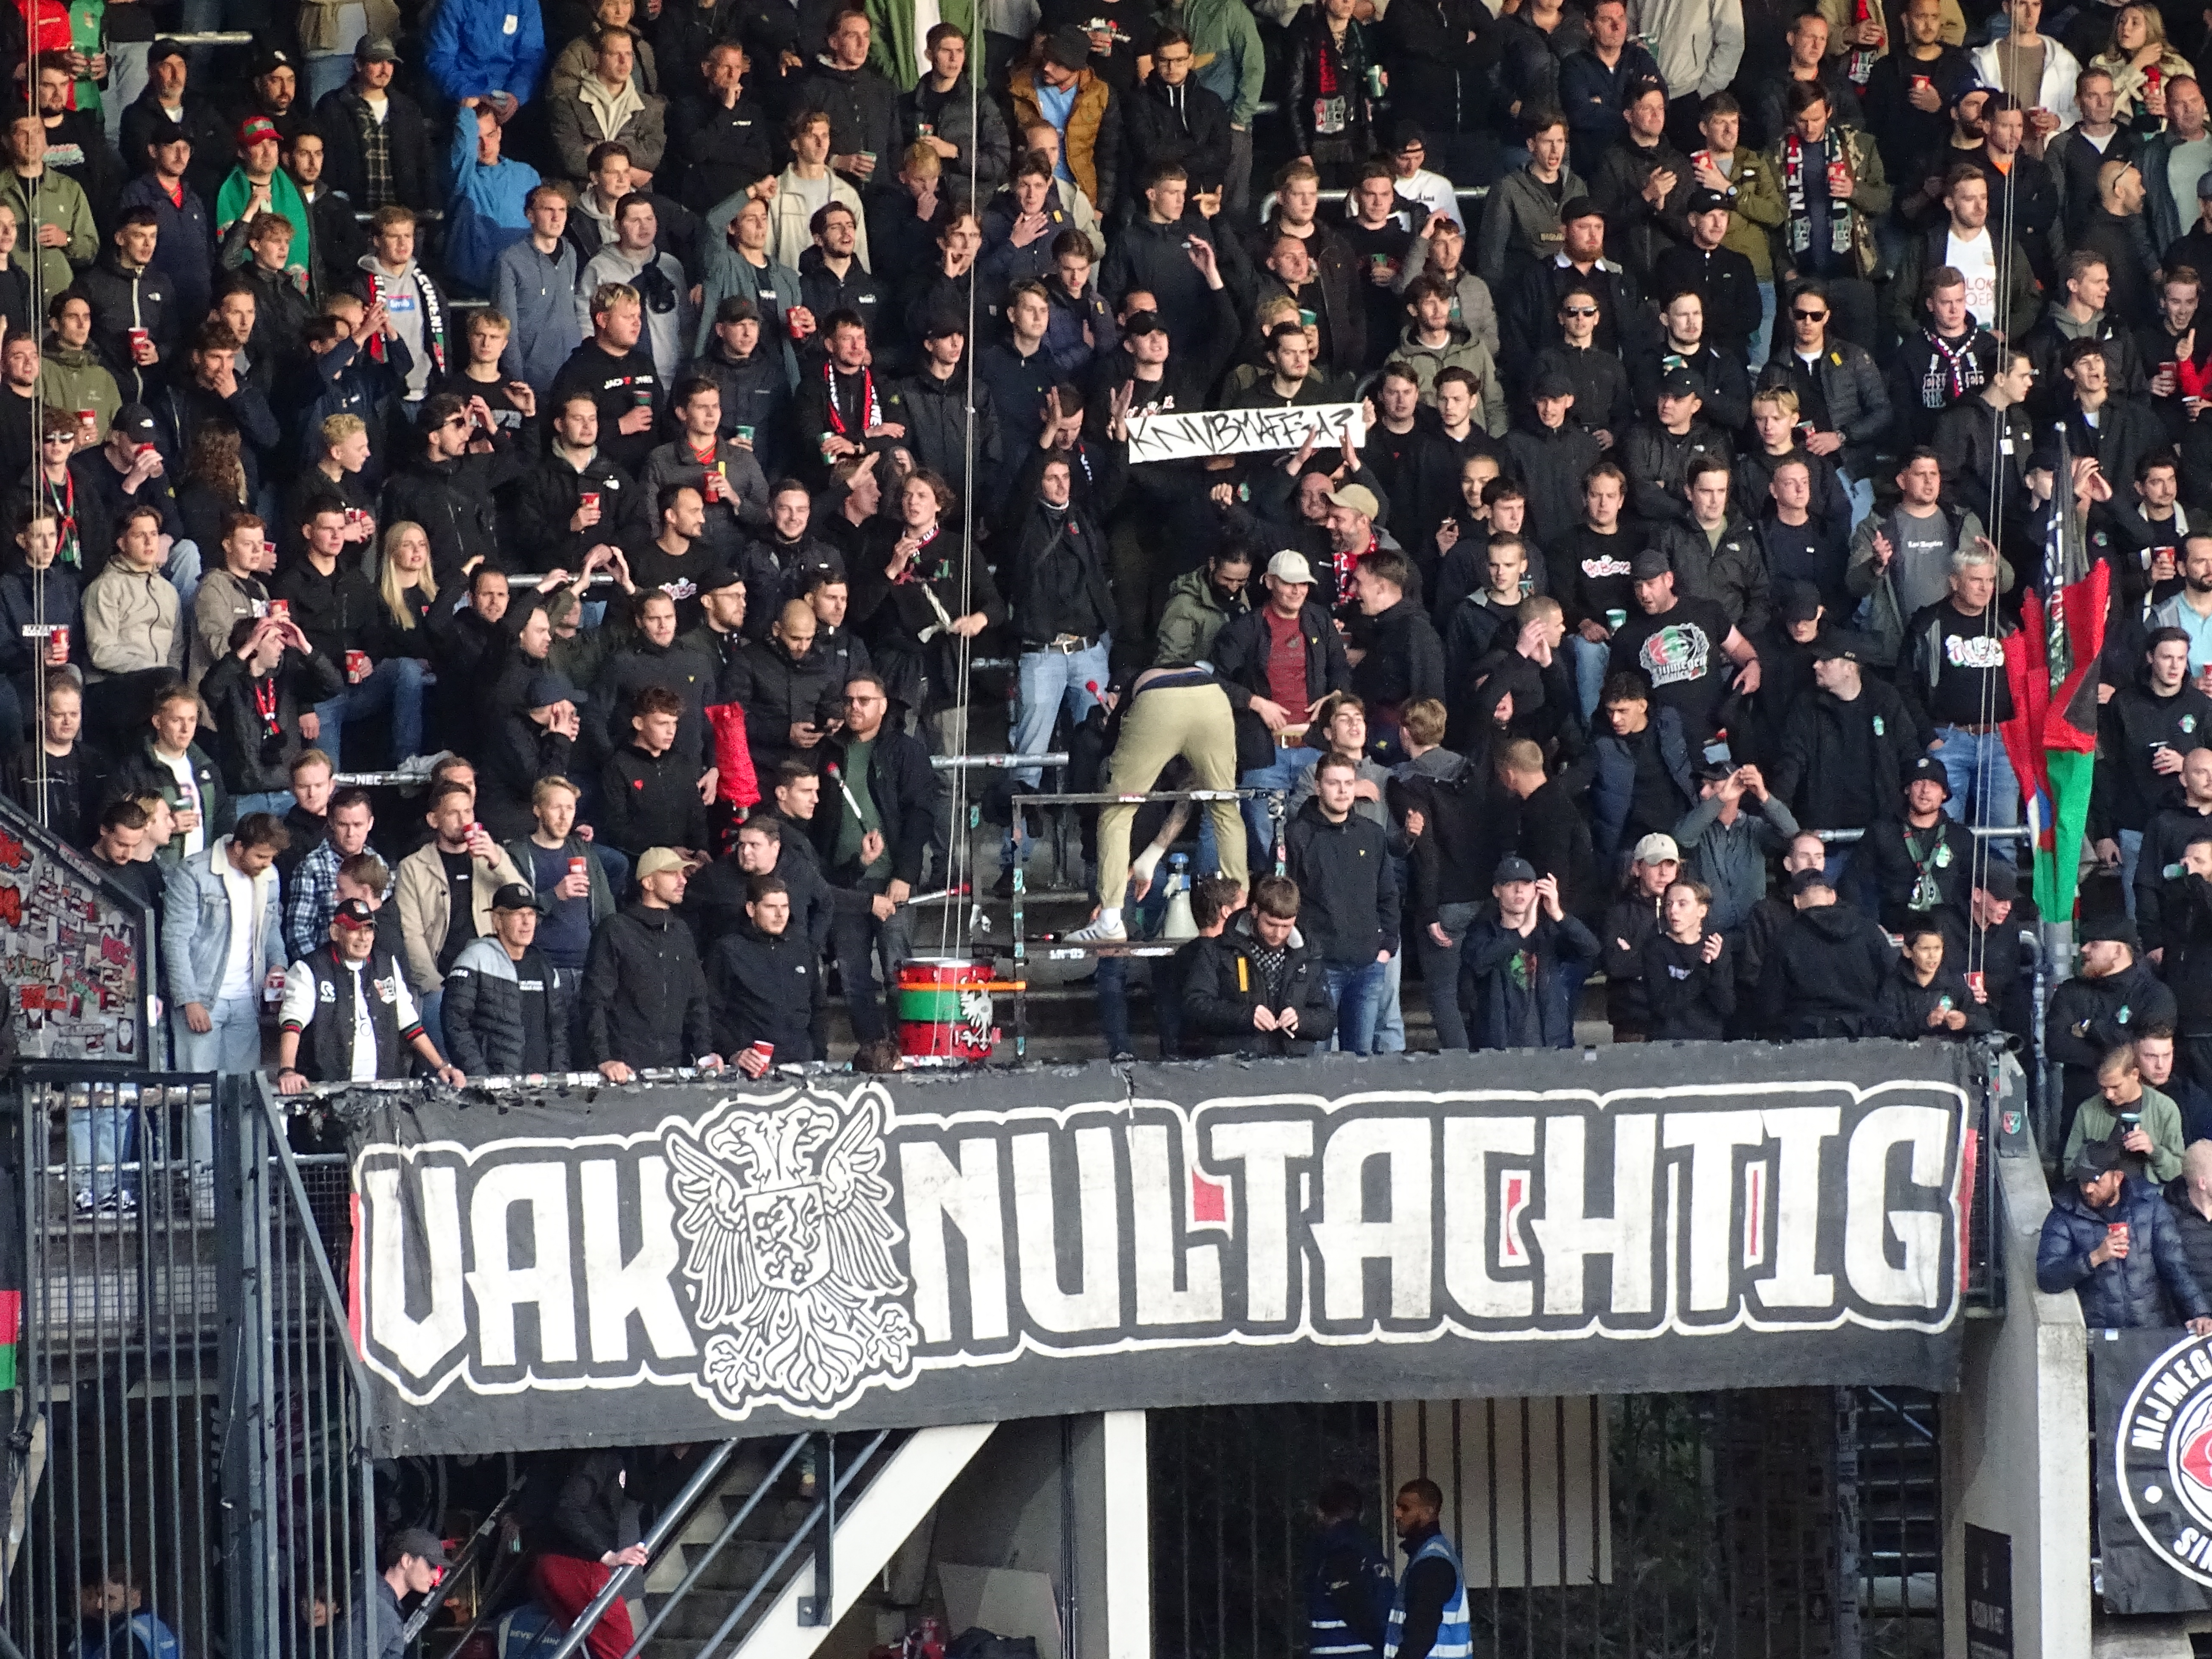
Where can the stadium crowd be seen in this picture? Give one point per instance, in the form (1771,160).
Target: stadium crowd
(659,431)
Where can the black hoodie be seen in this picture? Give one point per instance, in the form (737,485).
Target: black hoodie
(1823,975)
(766,987)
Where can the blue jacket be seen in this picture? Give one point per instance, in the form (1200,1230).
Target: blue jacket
(1512,1010)
(184,251)
(473,47)
(1613,788)
(537,295)
(196,928)
(1591,95)
(1349,1593)
(2151,1285)
(484,213)
(149,1639)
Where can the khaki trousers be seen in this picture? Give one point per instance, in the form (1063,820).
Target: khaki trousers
(1196,722)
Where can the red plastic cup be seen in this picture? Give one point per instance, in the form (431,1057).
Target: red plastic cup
(589,500)
(576,866)
(280,607)
(58,646)
(139,337)
(357,667)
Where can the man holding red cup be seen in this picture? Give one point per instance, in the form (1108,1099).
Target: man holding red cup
(2111,1239)
(764,984)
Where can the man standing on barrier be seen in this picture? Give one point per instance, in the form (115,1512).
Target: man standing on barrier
(1429,1615)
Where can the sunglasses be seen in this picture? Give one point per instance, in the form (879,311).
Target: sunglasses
(1810,316)
(1585,311)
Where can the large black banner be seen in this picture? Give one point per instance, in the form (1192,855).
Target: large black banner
(2154,1391)
(691,1262)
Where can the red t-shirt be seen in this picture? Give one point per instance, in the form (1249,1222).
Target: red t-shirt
(1287,664)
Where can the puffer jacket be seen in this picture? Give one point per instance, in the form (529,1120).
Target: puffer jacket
(1091,145)
(1222,985)
(122,300)
(936,420)
(1521,223)
(1857,400)
(2152,1285)
(482,1013)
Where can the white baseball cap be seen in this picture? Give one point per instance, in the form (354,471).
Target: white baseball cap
(1657,849)
(1290,566)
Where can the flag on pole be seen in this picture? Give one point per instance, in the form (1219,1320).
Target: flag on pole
(2050,668)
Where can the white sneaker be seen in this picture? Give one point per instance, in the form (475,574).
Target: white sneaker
(1101,932)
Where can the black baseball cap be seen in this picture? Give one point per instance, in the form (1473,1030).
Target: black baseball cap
(354,913)
(1648,561)
(1681,383)
(1796,601)
(2001,880)
(423,1545)
(1143,322)
(136,419)
(513,895)
(1554,383)
(1512,867)
(1837,643)
(2097,1157)
(1704,200)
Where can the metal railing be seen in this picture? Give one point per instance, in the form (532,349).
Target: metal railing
(185,1378)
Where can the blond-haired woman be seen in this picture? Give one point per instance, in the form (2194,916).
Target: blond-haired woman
(2141,62)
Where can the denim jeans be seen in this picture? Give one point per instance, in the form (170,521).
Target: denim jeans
(1861,494)
(275,802)
(2130,855)
(101,1140)
(231,1044)
(182,571)
(326,72)
(1051,679)
(1357,991)
(1589,659)
(1764,334)
(1390,1011)
(1288,766)
(396,684)
(861,943)
(1983,787)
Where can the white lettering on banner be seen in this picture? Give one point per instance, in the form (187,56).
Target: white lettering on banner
(1151,1189)
(1095,1302)
(1347,1240)
(499,1286)
(420,1345)
(615,1288)
(1712,1138)
(798,1248)
(1913,1281)
(1175,437)
(1469,1143)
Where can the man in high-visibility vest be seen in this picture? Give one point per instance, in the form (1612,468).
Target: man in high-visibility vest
(1429,1619)
(1349,1592)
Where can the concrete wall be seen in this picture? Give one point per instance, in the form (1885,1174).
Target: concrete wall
(2016,1443)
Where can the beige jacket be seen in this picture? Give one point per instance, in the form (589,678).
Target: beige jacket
(318,24)
(130,622)
(419,892)
(788,233)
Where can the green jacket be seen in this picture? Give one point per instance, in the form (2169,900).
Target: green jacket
(61,202)
(74,379)
(1756,211)
(1231,61)
(1870,198)
(894,52)
(284,197)
(2162,1122)
(1193,616)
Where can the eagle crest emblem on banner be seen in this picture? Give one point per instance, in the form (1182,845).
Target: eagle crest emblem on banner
(786,1218)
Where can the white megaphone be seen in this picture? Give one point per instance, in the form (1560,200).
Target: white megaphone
(1179,923)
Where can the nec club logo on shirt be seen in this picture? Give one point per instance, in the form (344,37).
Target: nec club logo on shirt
(1607,566)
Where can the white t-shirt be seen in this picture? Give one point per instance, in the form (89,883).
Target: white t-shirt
(238,961)
(1978,259)
(188,798)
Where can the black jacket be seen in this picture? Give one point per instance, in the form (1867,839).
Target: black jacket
(345,167)
(1240,663)
(1923,876)
(545,499)
(1551,463)
(1905,1003)
(1056,574)
(1823,974)
(1187,124)
(645,998)
(1350,908)
(1842,764)
(648,801)
(453,502)
(1404,660)
(2131,727)
(780,691)
(765,988)
(481,1015)
(253,759)
(862,107)
(1222,985)
(907,798)
(124,299)
(2087,1018)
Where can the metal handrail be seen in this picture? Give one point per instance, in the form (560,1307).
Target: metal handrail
(730,1527)
(208,38)
(675,1515)
(2000,832)
(470,1550)
(712,1644)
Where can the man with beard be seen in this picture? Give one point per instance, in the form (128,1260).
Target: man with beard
(2090,1015)
(774,566)
(1715,554)
(1686,647)
(1200,603)
(1924,865)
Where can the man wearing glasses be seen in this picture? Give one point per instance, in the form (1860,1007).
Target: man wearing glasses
(1843,408)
